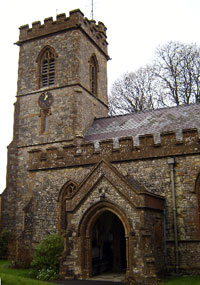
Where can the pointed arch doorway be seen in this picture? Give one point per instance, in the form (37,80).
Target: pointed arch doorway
(104,240)
(108,244)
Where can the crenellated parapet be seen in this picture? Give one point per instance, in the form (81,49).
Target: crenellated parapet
(122,149)
(76,20)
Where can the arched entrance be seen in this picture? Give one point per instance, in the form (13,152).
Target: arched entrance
(104,234)
(108,244)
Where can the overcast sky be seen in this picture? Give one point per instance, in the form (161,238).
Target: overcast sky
(134,29)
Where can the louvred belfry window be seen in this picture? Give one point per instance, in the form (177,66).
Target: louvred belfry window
(47,69)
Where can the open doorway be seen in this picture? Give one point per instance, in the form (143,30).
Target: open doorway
(108,244)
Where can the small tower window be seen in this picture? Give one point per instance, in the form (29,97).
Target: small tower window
(45,120)
(47,62)
(93,74)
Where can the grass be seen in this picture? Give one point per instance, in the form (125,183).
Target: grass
(10,276)
(182,280)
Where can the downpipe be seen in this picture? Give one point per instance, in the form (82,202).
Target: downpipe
(165,241)
(171,162)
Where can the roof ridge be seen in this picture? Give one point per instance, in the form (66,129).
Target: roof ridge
(149,111)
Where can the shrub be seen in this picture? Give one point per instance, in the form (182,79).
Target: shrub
(4,239)
(46,257)
(47,274)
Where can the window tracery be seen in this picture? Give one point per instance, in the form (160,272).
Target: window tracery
(70,189)
(47,64)
(66,192)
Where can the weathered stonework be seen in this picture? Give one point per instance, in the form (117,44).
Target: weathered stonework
(73,175)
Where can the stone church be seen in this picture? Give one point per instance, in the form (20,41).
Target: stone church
(125,189)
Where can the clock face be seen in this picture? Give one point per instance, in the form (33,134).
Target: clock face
(45,100)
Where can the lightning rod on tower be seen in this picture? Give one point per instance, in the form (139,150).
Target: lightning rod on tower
(92,11)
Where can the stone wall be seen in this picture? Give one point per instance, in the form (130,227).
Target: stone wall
(87,49)
(47,174)
(67,116)
(91,152)
(141,226)
(154,176)
(136,175)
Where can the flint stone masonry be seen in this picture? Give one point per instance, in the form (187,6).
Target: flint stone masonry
(86,164)
(97,32)
(91,152)
(63,123)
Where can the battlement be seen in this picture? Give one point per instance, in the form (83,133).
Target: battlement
(122,149)
(76,20)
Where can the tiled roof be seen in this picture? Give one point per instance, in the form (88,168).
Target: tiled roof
(156,122)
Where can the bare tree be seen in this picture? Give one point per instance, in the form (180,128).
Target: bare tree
(177,68)
(133,92)
(172,79)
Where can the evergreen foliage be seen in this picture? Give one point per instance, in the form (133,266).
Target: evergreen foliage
(46,257)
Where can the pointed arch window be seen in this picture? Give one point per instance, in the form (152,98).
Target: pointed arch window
(66,193)
(93,74)
(47,64)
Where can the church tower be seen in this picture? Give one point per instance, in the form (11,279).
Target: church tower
(62,81)
(116,186)
(62,87)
